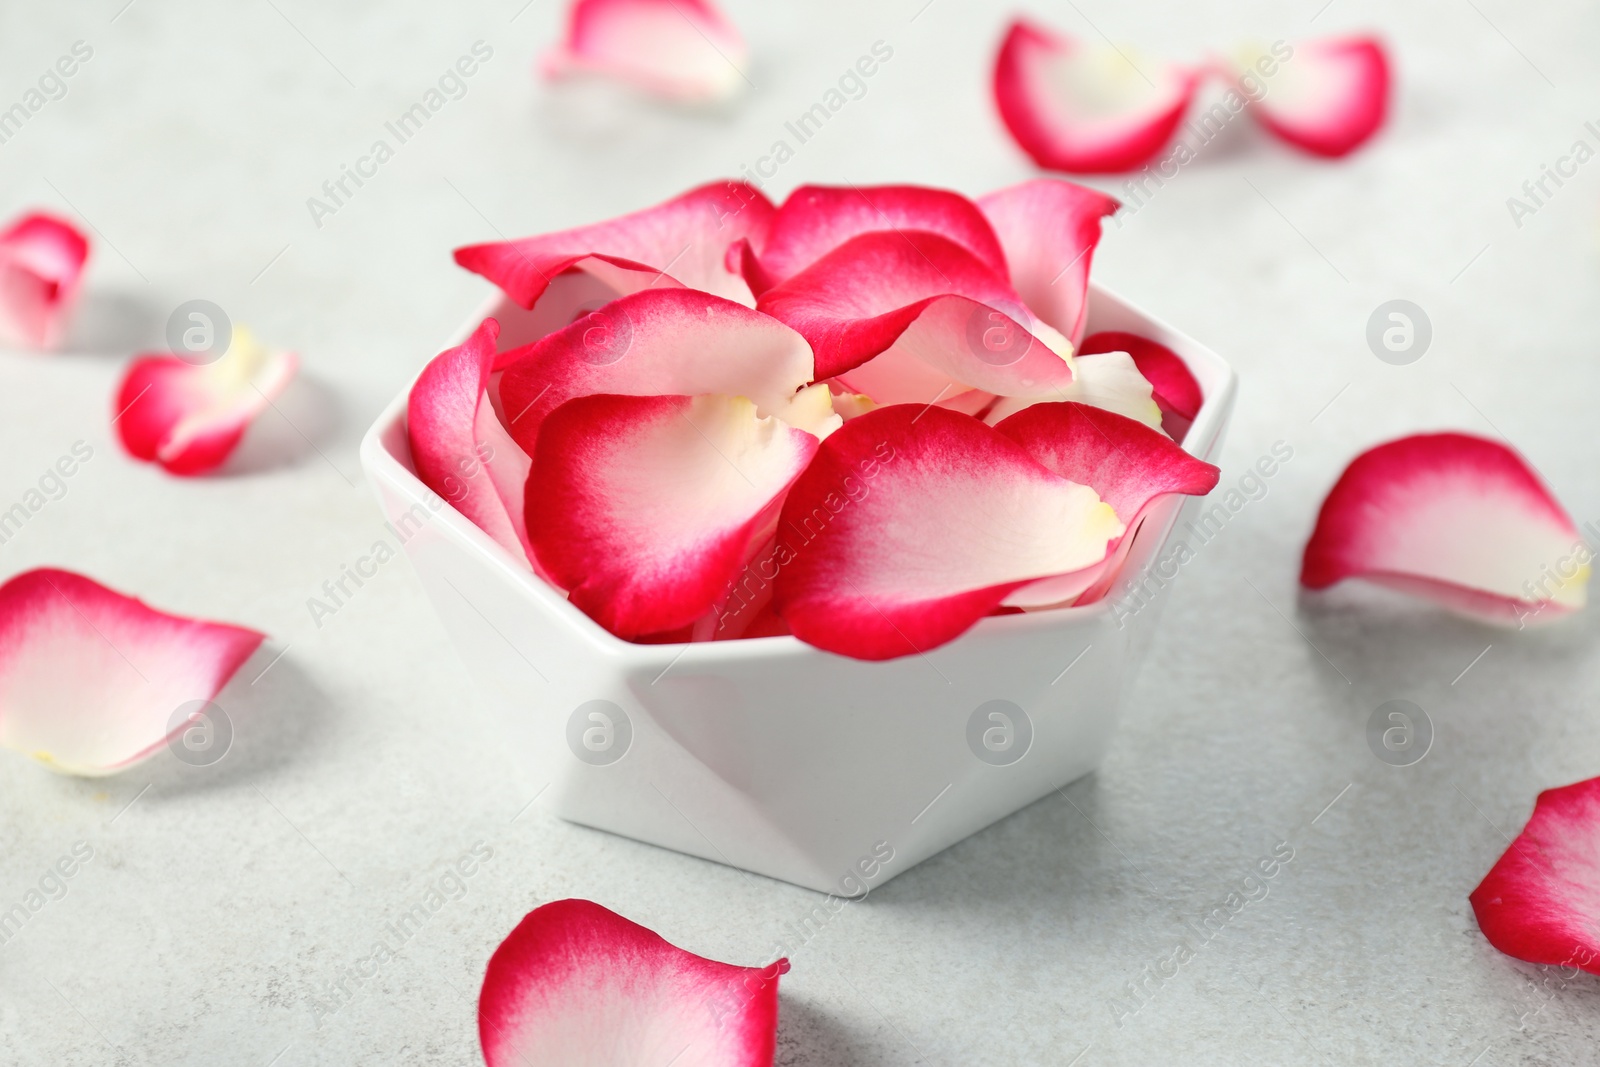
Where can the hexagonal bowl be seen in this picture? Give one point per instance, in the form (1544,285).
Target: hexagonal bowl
(768,754)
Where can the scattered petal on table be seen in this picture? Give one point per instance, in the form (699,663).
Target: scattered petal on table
(1328,98)
(1540,902)
(90,679)
(189,417)
(1086,108)
(1461,520)
(577,985)
(41,263)
(684,50)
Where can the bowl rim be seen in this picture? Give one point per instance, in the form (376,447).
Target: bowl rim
(385,459)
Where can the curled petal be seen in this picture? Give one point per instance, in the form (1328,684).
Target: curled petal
(913,523)
(663,342)
(1327,98)
(646,508)
(577,985)
(1173,386)
(1540,902)
(1108,380)
(1126,462)
(41,263)
(91,680)
(1049,229)
(939,321)
(188,417)
(458,446)
(816,219)
(1458,519)
(1086,108)
(1129,464)
(684,50)
(684,241)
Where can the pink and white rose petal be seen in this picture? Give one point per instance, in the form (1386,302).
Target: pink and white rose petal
(90,679)
(1541,900)
(695,379)
(577,985)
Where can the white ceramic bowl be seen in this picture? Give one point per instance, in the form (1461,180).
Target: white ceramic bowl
(769,754)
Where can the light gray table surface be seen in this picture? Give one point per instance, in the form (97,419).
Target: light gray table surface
(221,901)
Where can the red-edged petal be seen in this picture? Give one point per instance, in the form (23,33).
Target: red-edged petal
(913,523)
(189,418)
(646,508)
(681,242)
(577,985)
(1459,519)
(1086,108)
(683,50)
(1049,229)
(41,264)
(1173,385)
(937,318)
(1129,464)
(458,446)
(1126,462)
(1327,98)
(663,342)
(90,680)
(1108,380)
(816,219)
(1541,901)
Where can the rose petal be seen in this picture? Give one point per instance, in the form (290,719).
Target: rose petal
(646,508)
(189,418)
(90,680)
(938,319)
(1458,519)
(1173,386)
(913,523)
(41,264)
(1049,230)
(1328,97)
(577,985)
(458,446)
(683,241)
(1086,108)
(1540,902)
(683,50)
(664,342)
(1107,380)
(1126,462)
(816,219)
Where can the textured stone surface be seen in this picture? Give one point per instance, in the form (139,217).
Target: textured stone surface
(222,901)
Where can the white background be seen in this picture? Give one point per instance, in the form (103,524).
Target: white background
(223,899)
